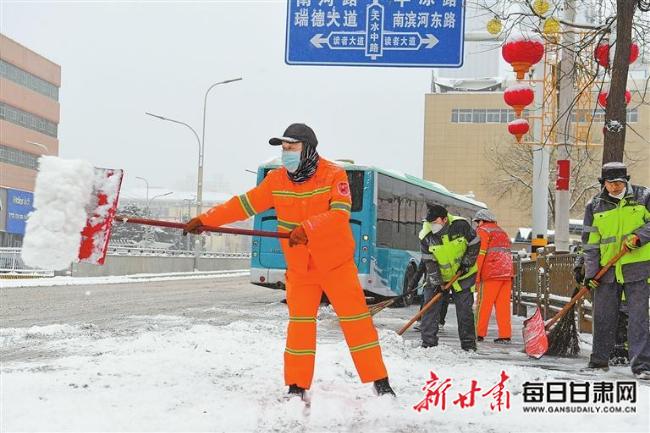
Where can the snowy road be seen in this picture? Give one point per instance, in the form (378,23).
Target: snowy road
(206,355)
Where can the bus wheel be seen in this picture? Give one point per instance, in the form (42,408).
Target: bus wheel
(408,275)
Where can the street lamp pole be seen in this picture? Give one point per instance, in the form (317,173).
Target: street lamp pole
(201,143)
(155,197)
(147,199)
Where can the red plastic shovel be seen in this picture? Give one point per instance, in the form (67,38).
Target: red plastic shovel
(535,330)
(96,233)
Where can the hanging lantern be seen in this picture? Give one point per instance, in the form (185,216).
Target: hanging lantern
(518,97)
(634,52)
(602,98)
(494,26)
(522,52)
(601,54)
(518,128)
(551,26)
(540,7)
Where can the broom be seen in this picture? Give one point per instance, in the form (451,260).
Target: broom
(563,338)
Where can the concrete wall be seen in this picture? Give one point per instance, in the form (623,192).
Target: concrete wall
(127,265)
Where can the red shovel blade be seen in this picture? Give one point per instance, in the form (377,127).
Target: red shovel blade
(95,236)
(535,339)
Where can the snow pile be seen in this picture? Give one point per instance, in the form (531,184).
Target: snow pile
(53,230)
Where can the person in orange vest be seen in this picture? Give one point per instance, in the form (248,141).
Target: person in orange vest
(494,276)
(312,201)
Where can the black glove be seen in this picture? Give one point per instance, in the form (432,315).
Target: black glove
(579,273)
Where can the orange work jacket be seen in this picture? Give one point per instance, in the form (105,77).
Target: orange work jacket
(321,205)
(494,259)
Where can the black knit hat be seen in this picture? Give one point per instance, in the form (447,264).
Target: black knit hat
(435,211)
(613,172)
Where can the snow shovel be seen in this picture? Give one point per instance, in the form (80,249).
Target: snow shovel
(535,330)
(428,305)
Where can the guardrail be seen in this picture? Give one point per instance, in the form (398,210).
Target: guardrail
(12,266)
(547,282)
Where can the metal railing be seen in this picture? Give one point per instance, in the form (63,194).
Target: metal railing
(12,265)
(548,283)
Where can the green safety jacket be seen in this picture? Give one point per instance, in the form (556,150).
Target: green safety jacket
(607,224)
(449,253)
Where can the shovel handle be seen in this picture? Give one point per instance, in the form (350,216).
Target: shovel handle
(177,225)
(584,289)
(428,305)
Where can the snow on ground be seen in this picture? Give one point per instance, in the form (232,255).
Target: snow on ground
(172,373)
(120,279)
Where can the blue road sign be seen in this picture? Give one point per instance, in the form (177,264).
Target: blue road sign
(412,33)
(19,205)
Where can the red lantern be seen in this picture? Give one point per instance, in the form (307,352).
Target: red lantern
(634,52)
(601,54)
(518,128)
(522,53)
(518,97)
(602,98)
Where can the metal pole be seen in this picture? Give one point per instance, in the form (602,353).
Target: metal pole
(199,183)
(146,209)
(541,157)
(567,93)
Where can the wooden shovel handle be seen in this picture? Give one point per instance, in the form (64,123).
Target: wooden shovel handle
(177,225)
(584,289)
(428,305)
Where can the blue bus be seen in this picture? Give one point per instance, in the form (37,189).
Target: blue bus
(387,212)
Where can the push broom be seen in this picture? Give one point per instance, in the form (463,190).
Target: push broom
(563,339)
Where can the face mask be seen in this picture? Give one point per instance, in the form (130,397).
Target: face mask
(619,196)
(291,160)
(436,227)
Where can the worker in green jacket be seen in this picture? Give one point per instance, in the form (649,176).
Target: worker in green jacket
(619,218)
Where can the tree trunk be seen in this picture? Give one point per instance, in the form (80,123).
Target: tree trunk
(616,110)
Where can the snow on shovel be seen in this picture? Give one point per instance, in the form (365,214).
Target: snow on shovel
(75,205)
(536,331)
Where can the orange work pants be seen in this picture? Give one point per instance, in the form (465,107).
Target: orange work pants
(341,285)
(494,293)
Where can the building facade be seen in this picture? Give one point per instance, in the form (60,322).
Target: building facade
(29,120)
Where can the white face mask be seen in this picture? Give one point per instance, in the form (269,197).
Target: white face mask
(436,227)
(619,196)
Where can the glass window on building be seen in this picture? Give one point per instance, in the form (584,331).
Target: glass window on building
(478,115)
(493,116)
(27,120)
(31,81)
(465,115)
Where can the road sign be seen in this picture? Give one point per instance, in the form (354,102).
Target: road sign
(411,33)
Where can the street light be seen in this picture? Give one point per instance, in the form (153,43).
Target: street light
(147,199)
(201,143)
(155,197)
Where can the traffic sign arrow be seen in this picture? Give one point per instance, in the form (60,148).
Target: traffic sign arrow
(317,40)
(430,40)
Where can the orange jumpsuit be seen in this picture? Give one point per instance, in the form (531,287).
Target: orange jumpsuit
(494,279)
(322,206)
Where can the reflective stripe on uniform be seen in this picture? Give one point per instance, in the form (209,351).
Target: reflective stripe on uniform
(288,225)
(589,229)
(341,205)
(302,319)
(498,250)
(307,352)
(364,346)
(302,194)
(608,240)
(246,205)
(591,247)
(355,317)
(482,252)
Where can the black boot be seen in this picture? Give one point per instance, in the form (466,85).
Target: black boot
(502,340)
(296,390)
(479,338)
(382,387)
(596,367)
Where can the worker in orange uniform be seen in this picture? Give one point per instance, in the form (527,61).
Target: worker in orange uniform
(494,276)
(312,200)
